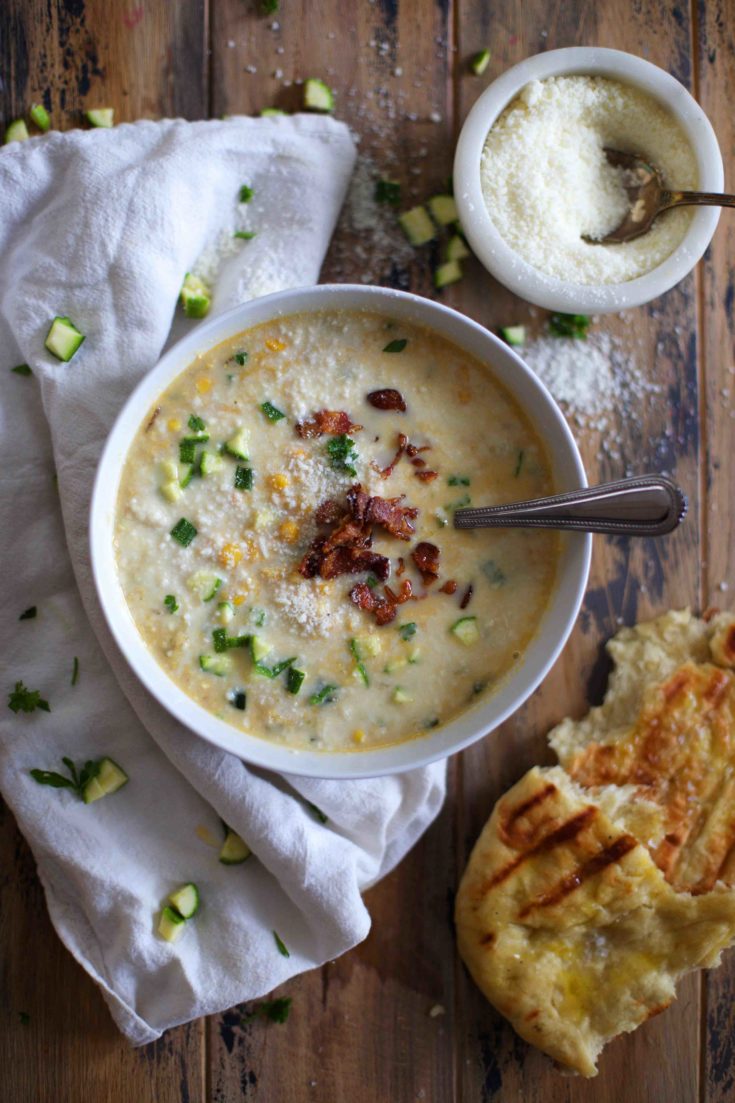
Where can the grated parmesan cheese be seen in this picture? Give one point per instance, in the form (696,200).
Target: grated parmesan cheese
(546,180)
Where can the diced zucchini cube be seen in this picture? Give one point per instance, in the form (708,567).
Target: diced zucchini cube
(40,116)
(234,850)
(271,112)
(317,95)
(443,209)
(514,335)
(466,630)
(209,463)
(237,445)
(480,62)
(195,297)
(17,131)
(456,249)
(204,583)
(63,338)
(401,697)
(417,226)
(219,665)
(447,273)
(109,778)
(171,490)
(185,900)
(171,924)
(370,645)
(101,116)
(259,648)
(169,470)
(225,612)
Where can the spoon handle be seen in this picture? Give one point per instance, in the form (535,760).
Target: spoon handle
(671,199)
(648,505)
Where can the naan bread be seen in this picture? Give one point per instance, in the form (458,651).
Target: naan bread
(568,926)
(593,888)
(666,731)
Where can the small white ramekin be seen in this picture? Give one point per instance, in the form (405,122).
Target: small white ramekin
(470,725)
(511,269)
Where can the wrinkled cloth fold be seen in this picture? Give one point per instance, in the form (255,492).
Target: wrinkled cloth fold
(101,226)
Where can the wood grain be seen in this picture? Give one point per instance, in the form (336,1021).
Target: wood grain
(360,1028)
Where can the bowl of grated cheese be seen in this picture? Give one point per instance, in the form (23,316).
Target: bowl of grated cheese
(531,178)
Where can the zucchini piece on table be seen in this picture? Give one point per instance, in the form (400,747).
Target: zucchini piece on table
(443,209)
(234,850)
(513,335)
(317,95)
(185,900)
(63,338)
(417,226)
(17,131)
(466,630)
(447,273)
(171,924)
(109,778)
(480,62)
(271,112)
(101,116)
(456,249)
(195,297)
(40,116)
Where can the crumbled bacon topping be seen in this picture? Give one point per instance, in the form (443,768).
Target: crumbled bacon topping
(426,558)
(426,476)
(467,596)
(386,512)
(328,513)
(449,587)
(404,445)
(387,399)
(331,422)
(365,598)
(405,593)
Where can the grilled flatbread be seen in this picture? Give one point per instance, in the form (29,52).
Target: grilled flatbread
(569,927)
(666,732)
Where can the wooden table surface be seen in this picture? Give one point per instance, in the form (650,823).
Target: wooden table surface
(360,1028)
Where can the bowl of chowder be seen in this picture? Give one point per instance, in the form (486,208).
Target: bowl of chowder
(272,538)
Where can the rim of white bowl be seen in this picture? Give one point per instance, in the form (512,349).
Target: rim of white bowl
(470,725)
(512,270)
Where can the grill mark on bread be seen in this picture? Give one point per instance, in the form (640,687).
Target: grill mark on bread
(609,855)
(565,833)
(521,810)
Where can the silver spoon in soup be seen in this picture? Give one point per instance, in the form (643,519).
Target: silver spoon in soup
(647,505)
(648,196)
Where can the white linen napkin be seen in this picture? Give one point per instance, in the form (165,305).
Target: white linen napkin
(101,226)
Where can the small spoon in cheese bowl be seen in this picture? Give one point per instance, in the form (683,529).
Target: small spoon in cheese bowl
(647,505)
(648,196)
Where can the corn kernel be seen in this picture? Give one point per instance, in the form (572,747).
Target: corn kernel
(299,452)
(279,481)
(238,599)
(274,345)
(289,531)
(204,384)
(230,555)
(173,424)
(358,736)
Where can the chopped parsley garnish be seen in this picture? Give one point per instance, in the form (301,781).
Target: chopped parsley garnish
(276,1011)
(29,614)
(272,412)
(22,369)
(281,945)
(323,696)
(244,235)
(76,779)
(238,699)
(184,532)
(569,325)
(22,699)
(359,664)
(396,346)
(171,603)
(243,478)
(458,480)
(258,617)
(342,455)
(75,671)
(241,358)
(187,451)
(459,504)
(407,631)
(294,680)
(274,671)
(316,812)
(246,193)
(388,191)
(371,582)
(519,463)
(196,423)
(493,573)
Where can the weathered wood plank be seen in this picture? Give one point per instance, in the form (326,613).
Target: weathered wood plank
(360,1028)
(715,78)
(145,59)
(629,581)
(69,1047)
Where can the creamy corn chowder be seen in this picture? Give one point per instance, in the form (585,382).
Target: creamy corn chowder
(284,531)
